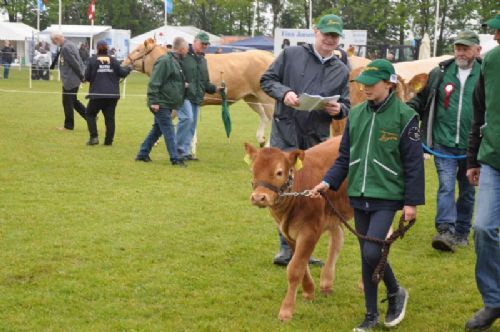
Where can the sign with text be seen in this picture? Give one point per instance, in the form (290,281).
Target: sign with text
(294,37)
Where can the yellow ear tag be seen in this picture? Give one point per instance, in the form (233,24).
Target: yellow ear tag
(247,159)
(298,164)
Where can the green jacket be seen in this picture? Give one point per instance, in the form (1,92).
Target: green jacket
(439,124)
(375,168)
(196,71)
(166,85)
(489,150)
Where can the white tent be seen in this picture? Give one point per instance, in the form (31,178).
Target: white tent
(116,38)
(166,34)
(19,34)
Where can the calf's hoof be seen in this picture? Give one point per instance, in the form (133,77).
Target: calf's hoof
(326,291)
(262,144)
(285,315)
(308,296)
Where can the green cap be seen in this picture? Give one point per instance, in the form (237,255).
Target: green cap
(494,22)
(467,38)
(330,23)
(203,37)
(376,71)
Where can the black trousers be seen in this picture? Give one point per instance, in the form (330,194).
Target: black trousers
(107,106)
(70,102)
(374,224)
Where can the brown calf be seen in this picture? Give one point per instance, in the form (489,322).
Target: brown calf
(302,220)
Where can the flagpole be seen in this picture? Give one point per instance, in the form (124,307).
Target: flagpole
(38,17)
(60,14)
(166,17)
(310,13)
(91,37)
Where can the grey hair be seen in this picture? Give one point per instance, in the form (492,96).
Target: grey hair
(179,43)
(56,34)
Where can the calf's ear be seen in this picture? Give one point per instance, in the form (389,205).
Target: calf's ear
(251,153)
(295,158)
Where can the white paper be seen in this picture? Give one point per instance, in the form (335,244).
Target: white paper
(314,102)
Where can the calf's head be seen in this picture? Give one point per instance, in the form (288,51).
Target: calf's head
(272,171)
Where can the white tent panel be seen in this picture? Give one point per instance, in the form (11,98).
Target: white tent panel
(16,31)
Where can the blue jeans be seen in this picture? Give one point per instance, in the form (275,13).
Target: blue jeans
(188,120)
(486,238)
(451,216)
(6,67)
(162,126)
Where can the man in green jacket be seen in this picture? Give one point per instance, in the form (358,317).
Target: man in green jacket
(483,159)
(445,107)
(195,70)
(166,90)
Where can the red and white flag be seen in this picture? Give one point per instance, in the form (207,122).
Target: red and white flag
(91,11)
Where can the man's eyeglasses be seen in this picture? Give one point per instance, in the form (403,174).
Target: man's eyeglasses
(330,34)
(205,44)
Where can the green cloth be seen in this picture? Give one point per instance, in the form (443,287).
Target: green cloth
(195,69)
(226,118)
(166,84)
(467,37)
(453,123)
(203,37)
(375,168)
(376,71)
(494,22)
(330,23)
(489,150)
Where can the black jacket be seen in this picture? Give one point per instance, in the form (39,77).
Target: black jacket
(103,73)
(298,69)
(8,54)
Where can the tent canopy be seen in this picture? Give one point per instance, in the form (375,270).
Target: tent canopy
(258,42)
(166,35)
(80,31)
(16,31)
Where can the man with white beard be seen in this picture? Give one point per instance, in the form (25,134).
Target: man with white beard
(445,107)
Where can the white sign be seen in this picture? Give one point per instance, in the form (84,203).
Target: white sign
(300,36)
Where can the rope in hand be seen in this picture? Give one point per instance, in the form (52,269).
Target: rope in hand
(378,274)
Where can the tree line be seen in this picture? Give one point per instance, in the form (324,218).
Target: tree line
(387,21)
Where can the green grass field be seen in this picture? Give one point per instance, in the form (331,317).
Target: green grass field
(91,240)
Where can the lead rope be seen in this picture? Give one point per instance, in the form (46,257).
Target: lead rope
(378,274)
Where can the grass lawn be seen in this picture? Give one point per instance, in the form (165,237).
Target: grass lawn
(91,240)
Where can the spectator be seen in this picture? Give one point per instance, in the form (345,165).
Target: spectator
(41,64)
(445,106)
(103,73)
(390,57)
(84,53)
(218,50)
(71,68)
(312,69)
(286,43)
(195,68)
(8,55)
(166,91)
(483,163)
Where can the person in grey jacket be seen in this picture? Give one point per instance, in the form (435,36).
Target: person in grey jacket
(72,69)
(312,69)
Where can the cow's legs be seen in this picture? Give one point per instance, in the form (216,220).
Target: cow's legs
(328,272)
(296,271)
(259,108)
(307,285)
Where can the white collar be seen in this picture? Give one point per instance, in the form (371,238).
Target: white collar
(322,59)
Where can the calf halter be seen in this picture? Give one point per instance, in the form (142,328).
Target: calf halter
(141,58)
(281,191)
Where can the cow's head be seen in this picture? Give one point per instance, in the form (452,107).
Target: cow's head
(273,172)
(138,56)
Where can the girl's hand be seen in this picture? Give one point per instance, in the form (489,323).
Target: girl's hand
(320,188)
(409,212)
